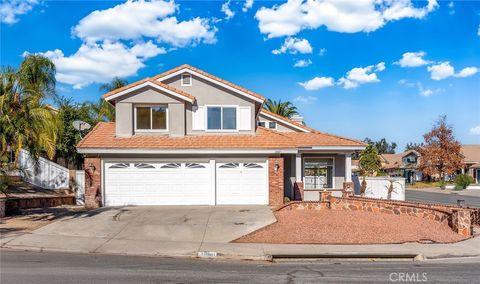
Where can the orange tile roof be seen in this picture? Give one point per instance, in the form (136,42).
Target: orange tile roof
(103,136)
(308,139)
(151,80)
(186,66)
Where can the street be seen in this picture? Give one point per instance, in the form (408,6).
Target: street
(46,267)
(433,197)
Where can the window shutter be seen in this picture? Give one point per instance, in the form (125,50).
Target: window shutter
(198,118)
(245,118)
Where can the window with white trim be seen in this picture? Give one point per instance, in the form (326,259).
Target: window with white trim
(151,118)
(221,118)
(186,80)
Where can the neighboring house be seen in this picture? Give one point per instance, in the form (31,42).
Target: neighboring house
(402,165)
(186,137)
(471,155)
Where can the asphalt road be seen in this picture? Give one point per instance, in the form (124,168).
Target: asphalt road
(42,267)
(451,198)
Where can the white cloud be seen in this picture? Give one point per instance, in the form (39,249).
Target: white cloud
(466,72)
(406,83)
(475,130)
(451,7)
(441,71)
(305,100)
(322,52)
(427,92)
(10,9)
(291,17)
(361,75)
(302,63)
(412,59)
(147,50)
(380,66)
(294,45)
(133,20)
(99,63)
(117,41)
(317,83)
(226,9)
(444,70)
(478,32)
(247,5)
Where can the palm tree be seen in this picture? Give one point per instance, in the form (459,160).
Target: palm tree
(26,121)
(103,110)
(285,109)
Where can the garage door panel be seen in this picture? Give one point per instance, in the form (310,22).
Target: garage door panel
(242,183)
(172,183)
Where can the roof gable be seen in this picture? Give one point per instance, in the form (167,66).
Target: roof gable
(185,68)
(151,83)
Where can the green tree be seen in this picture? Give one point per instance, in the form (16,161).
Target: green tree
(103,110)
(369,162)
(383,147)
(68,136)
(413,146)
(26,121)
(285,109)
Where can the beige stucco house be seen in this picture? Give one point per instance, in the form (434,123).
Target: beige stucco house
(186,137)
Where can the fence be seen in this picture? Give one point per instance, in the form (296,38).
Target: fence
(43,173)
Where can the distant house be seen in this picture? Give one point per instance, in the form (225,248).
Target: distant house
(471,154)
(403,165)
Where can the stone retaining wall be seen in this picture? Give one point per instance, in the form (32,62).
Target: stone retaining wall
(13,205)
(459,219)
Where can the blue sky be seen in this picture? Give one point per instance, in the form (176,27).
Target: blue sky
(363,70)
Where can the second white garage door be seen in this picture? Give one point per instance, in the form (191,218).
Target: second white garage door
(242,183)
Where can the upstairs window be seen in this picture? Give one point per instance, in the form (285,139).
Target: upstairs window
(221,118)
(186,80)
(271,124)
(151,118)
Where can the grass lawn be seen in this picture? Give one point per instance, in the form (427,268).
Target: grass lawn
(425,184)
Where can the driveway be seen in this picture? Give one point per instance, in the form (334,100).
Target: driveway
(167,230)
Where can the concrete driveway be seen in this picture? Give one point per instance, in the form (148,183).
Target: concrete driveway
(165,230)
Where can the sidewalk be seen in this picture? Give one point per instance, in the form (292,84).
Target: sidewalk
(105,245)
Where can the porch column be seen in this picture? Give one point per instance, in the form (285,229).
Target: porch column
(348,167)
(298,167)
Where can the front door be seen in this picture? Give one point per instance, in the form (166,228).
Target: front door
(318,173)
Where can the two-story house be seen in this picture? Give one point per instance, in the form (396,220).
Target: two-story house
(404,164)
(186,137)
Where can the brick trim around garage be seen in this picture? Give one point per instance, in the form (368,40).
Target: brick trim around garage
(93,182)
(275,181)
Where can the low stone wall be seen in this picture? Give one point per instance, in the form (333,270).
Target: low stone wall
(13,205)
(459,219)
(378,206)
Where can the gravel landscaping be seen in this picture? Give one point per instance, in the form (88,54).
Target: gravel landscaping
(349,227)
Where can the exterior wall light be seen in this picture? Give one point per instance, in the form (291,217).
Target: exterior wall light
(92,168)
(276,167)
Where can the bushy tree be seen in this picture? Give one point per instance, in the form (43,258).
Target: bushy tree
(68,136)
(441,154)
(383,147)
(413,146)
(369,161)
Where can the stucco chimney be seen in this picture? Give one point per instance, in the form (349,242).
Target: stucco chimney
(297,118)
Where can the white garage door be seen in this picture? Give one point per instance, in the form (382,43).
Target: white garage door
(169,183)
(242,183)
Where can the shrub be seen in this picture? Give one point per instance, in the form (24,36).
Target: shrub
(286,199)
(462,181)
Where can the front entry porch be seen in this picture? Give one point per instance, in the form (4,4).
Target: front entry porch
(309,173)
